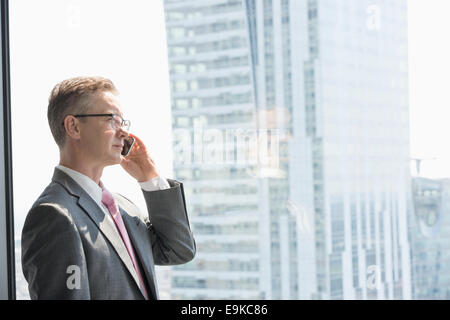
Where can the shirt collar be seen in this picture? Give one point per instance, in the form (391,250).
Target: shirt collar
(93,189)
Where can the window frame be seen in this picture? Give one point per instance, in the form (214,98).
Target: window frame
(7,262)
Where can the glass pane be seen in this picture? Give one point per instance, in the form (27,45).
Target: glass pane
(309,135)
(316,201)
(55,40)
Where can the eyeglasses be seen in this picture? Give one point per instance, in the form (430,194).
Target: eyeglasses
(117,122)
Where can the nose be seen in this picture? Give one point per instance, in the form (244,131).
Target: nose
(122,133)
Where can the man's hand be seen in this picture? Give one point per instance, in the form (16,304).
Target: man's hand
(138,163)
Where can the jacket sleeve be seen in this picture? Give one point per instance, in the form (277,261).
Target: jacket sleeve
(170,232)
(53,260)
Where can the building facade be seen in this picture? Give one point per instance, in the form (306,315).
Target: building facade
(430,246)
(291,134)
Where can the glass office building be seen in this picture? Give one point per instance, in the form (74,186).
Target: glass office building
(322,86)
(429,230)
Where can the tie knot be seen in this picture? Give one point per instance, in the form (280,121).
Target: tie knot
(107,198)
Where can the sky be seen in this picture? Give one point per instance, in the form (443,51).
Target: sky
(51,40)
(429,86)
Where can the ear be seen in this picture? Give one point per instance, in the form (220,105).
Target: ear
(72,126)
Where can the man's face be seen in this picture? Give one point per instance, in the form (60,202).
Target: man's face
(100,142)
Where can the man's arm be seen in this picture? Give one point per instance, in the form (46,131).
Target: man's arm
(171,236)
(172,239)
(53,260)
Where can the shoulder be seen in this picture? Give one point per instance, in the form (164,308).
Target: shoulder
(56,194)
(52,206)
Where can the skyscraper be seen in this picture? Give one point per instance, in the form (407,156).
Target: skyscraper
(321,84)
(429,230)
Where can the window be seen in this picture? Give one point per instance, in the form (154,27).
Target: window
(69,42)
(340,189)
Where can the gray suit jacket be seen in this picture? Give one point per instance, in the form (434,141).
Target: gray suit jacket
(70,250)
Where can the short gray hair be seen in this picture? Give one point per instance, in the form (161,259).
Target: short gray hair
(72,96)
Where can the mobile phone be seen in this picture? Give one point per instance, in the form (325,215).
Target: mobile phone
(128,144)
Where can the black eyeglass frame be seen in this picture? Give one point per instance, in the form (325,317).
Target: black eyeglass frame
(126,123)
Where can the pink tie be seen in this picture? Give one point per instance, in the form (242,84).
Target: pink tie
(111,204)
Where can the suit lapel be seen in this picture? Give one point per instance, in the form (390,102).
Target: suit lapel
(142,249)
(110,232)
(99,218)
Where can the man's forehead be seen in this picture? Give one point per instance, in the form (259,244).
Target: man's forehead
(107,102)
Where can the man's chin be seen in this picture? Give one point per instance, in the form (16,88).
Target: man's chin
(115,160)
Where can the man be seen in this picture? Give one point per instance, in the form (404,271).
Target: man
(81,242)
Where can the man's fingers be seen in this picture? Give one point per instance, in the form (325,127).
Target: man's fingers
(138,145)
(139,141)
